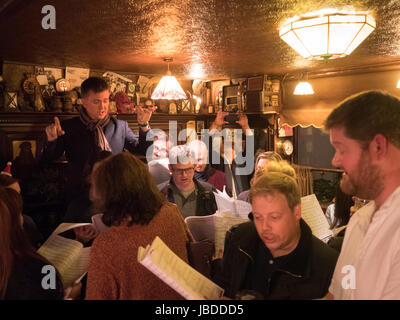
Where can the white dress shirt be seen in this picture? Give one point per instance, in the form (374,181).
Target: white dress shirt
(371,248)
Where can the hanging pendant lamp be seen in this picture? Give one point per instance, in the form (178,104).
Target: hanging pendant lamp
(327,34)
(168,87)
(303,87)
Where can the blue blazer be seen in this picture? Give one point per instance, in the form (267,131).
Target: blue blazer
(78,145)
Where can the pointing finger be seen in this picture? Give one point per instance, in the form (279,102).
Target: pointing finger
(57,122)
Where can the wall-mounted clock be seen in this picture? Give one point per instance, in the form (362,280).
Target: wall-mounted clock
(287,147)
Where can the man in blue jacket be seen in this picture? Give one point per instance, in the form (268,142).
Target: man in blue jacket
(83,137)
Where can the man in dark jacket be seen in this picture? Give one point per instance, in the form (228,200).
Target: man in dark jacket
(81,138)
(193,198)
(275,256)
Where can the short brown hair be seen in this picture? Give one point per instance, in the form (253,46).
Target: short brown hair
(272,182)
(126,190)
(366,114)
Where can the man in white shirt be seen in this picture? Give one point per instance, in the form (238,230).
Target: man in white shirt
(365,132)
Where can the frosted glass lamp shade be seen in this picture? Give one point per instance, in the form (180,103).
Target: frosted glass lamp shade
(327,36)
(303,88)
(168,88)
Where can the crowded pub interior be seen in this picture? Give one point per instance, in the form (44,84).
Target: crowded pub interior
(199,150)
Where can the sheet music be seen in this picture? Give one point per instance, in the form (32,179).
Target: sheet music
(238,208)
(201,227)
(175,272)
(313,215)
(223,222)
(68,256)
(243,209)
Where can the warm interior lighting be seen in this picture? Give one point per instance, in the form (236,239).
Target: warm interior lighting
(168,87)
(327,34)
(303,88)
(398,84)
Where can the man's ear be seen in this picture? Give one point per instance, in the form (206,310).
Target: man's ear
(378,147)
(297,211)
(84,102)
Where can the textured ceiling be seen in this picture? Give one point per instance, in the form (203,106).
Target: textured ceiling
(208,39)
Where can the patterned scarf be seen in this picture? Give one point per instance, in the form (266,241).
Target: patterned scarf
(96,126)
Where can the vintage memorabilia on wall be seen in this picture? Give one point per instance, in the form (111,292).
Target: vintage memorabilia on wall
(216,91)
(172,108)
(76,76)
(11,102)
(63,85)
(186,106)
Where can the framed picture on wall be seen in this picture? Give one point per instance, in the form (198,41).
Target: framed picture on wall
(24,149)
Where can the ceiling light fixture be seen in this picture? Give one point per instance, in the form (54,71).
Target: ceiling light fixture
(168,87)
(398,84)
(303,87)
(327,34)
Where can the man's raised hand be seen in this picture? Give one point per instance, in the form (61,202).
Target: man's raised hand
(54,130)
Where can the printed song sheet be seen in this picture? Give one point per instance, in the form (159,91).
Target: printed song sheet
(175,272)
(312,213)
(223,222)
(238,208)
(68,256)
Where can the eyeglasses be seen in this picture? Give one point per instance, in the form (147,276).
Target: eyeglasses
(183,171)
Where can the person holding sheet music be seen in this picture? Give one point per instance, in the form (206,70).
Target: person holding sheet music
(192,197)
(275,255)
(21,266)
(136,212)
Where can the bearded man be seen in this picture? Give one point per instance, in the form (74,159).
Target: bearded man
(365,132)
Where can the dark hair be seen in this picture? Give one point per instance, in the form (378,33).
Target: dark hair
(94,84)
(343,202)
(14,243)
(367,114)
(6,180)
(124,189)
(94,157)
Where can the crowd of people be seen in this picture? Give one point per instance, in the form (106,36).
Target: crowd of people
(274,255)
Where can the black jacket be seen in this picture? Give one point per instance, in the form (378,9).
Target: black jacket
(205,204)
(306,274)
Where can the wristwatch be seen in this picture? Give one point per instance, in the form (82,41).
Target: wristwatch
(146,124)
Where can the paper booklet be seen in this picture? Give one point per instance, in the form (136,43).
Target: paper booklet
(213,227)
(176,273)
(313,215)
(68,256)
(238,208)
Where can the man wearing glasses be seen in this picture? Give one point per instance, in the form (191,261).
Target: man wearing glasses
(193,197)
